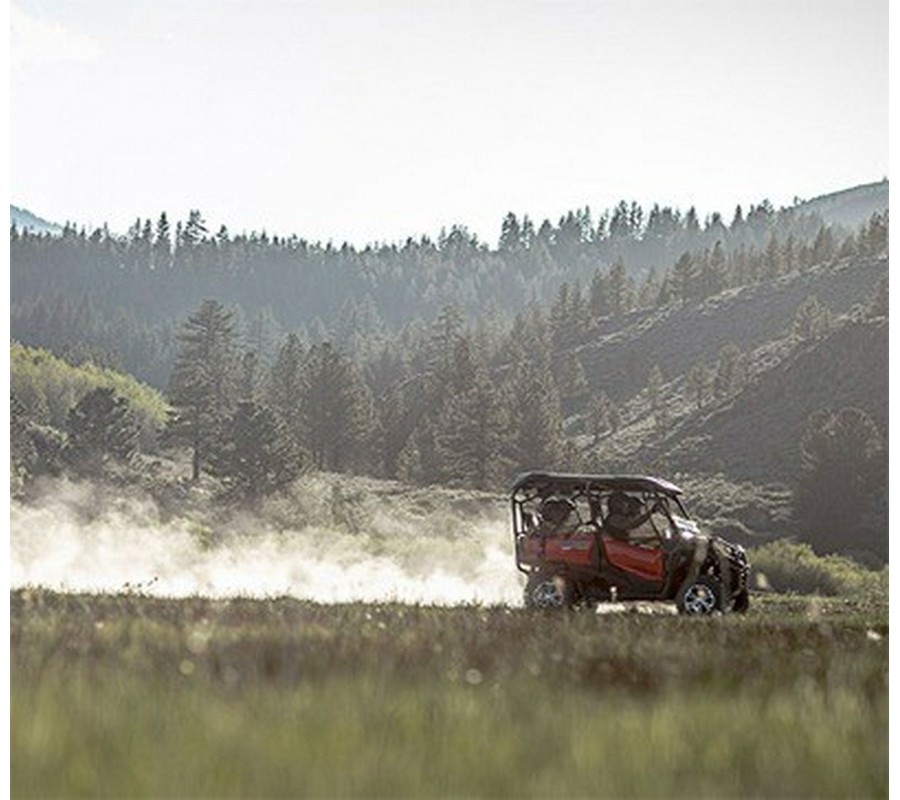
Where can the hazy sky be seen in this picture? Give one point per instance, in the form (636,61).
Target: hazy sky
(378,120)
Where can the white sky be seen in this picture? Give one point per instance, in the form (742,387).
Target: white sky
(377,120)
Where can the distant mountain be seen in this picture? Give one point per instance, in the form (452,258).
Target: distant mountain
(23,218)
(849,207)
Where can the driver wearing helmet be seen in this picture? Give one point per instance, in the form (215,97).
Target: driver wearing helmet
(625,514)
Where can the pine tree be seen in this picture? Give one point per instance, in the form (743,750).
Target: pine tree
(823,248)
(699,383)
(600,416)
(285,386)
(100,427)
(773,259)
(469,435)
(599,295)
(536,440)
(571,380)
(841,489)
(396,424)
(253,455)
(446,332)
(619,289)
(812,320)
(203,382)
(510,234)
(249,377)
(684,278)
(336,410)
(731,371)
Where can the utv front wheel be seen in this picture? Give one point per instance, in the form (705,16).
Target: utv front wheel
(545,592)
(701,595)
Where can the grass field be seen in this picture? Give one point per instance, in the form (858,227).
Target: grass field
(134,696)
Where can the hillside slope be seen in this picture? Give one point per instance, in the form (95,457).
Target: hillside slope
(756,436)
(738,456)
(624,350)
(23,219)
(849,207)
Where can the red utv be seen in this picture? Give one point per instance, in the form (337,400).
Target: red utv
(585,539)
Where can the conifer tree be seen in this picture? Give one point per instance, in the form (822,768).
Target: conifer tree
(253,455)
(684,278)
(839,498)
(699,383)
(619,288)
(162,245)
(510,234)
(731,371)
(249,377)
(285,386)
(100,427)
(600,416)
(203,382)
(536,440)
(812,320)
(336,410)
(571,379)
(469,435)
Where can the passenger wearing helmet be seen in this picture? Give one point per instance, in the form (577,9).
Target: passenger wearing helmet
(625,515)
(556,514)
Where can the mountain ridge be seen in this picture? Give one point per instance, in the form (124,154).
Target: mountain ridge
(22,218)
(848,207)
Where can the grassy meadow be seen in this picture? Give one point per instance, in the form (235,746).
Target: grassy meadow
(128,695)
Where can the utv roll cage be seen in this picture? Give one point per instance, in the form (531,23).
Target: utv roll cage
(535,486)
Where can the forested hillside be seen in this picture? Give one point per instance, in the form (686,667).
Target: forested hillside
(722,355)
(121,298)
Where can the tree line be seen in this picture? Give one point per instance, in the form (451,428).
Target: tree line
(120,298)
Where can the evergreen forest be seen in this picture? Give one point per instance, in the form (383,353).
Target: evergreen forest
(744,356)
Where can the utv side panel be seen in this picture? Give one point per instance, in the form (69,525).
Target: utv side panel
(578,549)
(644,562)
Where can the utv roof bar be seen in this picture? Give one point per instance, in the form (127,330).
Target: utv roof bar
(563,481)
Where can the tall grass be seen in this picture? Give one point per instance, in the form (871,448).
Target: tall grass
(135,696)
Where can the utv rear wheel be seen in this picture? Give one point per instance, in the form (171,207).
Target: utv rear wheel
(699,596)
(547,592)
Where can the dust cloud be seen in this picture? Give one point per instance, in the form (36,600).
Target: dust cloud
(329,541)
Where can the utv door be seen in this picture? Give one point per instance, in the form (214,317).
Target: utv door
(640,561)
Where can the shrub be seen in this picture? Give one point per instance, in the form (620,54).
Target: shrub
(788,566)
(48,387)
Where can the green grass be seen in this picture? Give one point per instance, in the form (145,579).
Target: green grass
(127,695)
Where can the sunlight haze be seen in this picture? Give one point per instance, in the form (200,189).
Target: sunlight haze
(366,121)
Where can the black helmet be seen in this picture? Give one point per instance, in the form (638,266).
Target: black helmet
(556,509)
(621,503)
